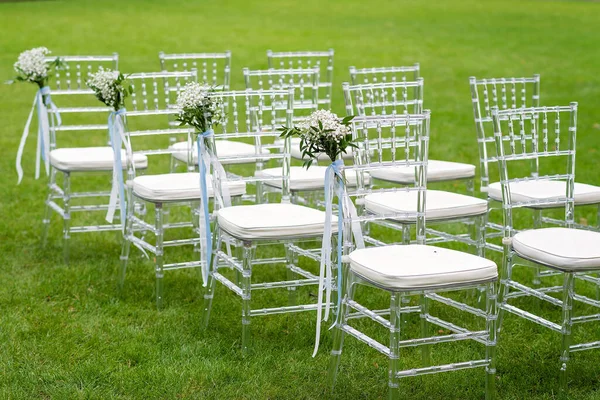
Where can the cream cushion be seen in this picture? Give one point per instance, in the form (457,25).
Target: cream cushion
(543,189)
(178,187)
(436,171)
(564,248)
(91,159)
(225,149)
(272,221)
(420,266)
(301,178)
(438,205)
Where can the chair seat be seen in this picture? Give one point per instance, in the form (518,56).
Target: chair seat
(178,187)
(225,149)
(438,205)
(420,267)
(272,221)
(301,178)
(91,159)
(563,248)
(541,190)
(436,171)
(322,157)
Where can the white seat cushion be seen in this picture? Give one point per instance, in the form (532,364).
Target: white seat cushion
(438,204)
(225,149)
(91,159)
(178,187)
(564,248)
(301,178)
(420,266)
(540,190)
(297,154)
(272,221)
(436,171)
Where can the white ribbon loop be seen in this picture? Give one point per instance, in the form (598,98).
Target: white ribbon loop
(116,130)
(41,102)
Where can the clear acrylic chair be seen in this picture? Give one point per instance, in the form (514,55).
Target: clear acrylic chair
(80,116)
(361,76)
(249,228)
(147,132)
(212,68)
(308,59)
(401,97)
(543,139)
(512,93)
(434,274)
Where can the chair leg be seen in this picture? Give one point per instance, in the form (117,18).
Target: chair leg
(567,322)
(126,246)
(405,241)
(67,215)
(48,210)
(480,223)
(470,186)
(338,334)
(394,360)
(248,256)
(425,349)
(490,348)
(537,223)
(291,260)
(505,276)
(158,264)
(209,291)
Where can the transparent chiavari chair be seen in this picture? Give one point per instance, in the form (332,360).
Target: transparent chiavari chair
(147,133)
(436,275)
(250,228)
(323,60)
(401,97)
(363,76)
(546,136)
(512,93)
(213,68)
(79,117)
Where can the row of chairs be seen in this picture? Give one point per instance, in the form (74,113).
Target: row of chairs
(385,201)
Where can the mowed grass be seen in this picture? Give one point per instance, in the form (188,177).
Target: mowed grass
(64,332)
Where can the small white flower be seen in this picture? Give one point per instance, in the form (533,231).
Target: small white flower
(32,64)
(104,84)
(194,103)
(329,120)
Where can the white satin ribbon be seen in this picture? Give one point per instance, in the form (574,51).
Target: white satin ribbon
(116,131)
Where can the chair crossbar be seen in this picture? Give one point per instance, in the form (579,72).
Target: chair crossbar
(520,293)
(95,228)
(366,339)
(443,339)
(586,318)
(142,243)
(285,284)
(531,317)
(586,300)
(286,309)
(456,304)
(228,284)
(442,368)
(56,208)
(313,254)
(450,326)
(70,128)
(532,292)
(182,265)
(181,242)
(369,313)
(584,346)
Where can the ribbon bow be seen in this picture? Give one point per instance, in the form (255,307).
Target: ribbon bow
(42,101)
(333,177)
(116,131)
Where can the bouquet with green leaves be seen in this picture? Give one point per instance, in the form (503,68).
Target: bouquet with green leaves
(33,66)
(322,132)
(110,87)
(197,108)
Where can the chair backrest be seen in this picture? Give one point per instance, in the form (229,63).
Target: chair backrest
(504,93)
(384,74)
(213,68)
(392,141)
(304,81)
(536,145)
(154,96)
(390,98)
(253,116)
(308,59)
(79,110)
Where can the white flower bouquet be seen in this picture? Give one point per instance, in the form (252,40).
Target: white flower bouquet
(197,108)
(110,87)
(33,66)
(322,132)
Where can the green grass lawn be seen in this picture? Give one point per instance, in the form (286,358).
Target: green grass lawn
(64,332)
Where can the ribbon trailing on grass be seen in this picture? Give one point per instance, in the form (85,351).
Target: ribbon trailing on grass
(41,102)
(116,131)
(333,179)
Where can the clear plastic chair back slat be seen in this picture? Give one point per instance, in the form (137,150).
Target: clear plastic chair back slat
(212,68)
(73,73)
(362,76)
(391,98)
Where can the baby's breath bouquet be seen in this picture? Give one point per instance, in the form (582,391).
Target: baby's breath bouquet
(33,66)
(110,87)
(197,108)
(322,132)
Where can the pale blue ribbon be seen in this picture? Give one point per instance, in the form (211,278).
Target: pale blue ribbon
(204,160)
(116,131)
(43,143)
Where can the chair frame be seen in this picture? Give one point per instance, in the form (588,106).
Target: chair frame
(380,74)
(350,309)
